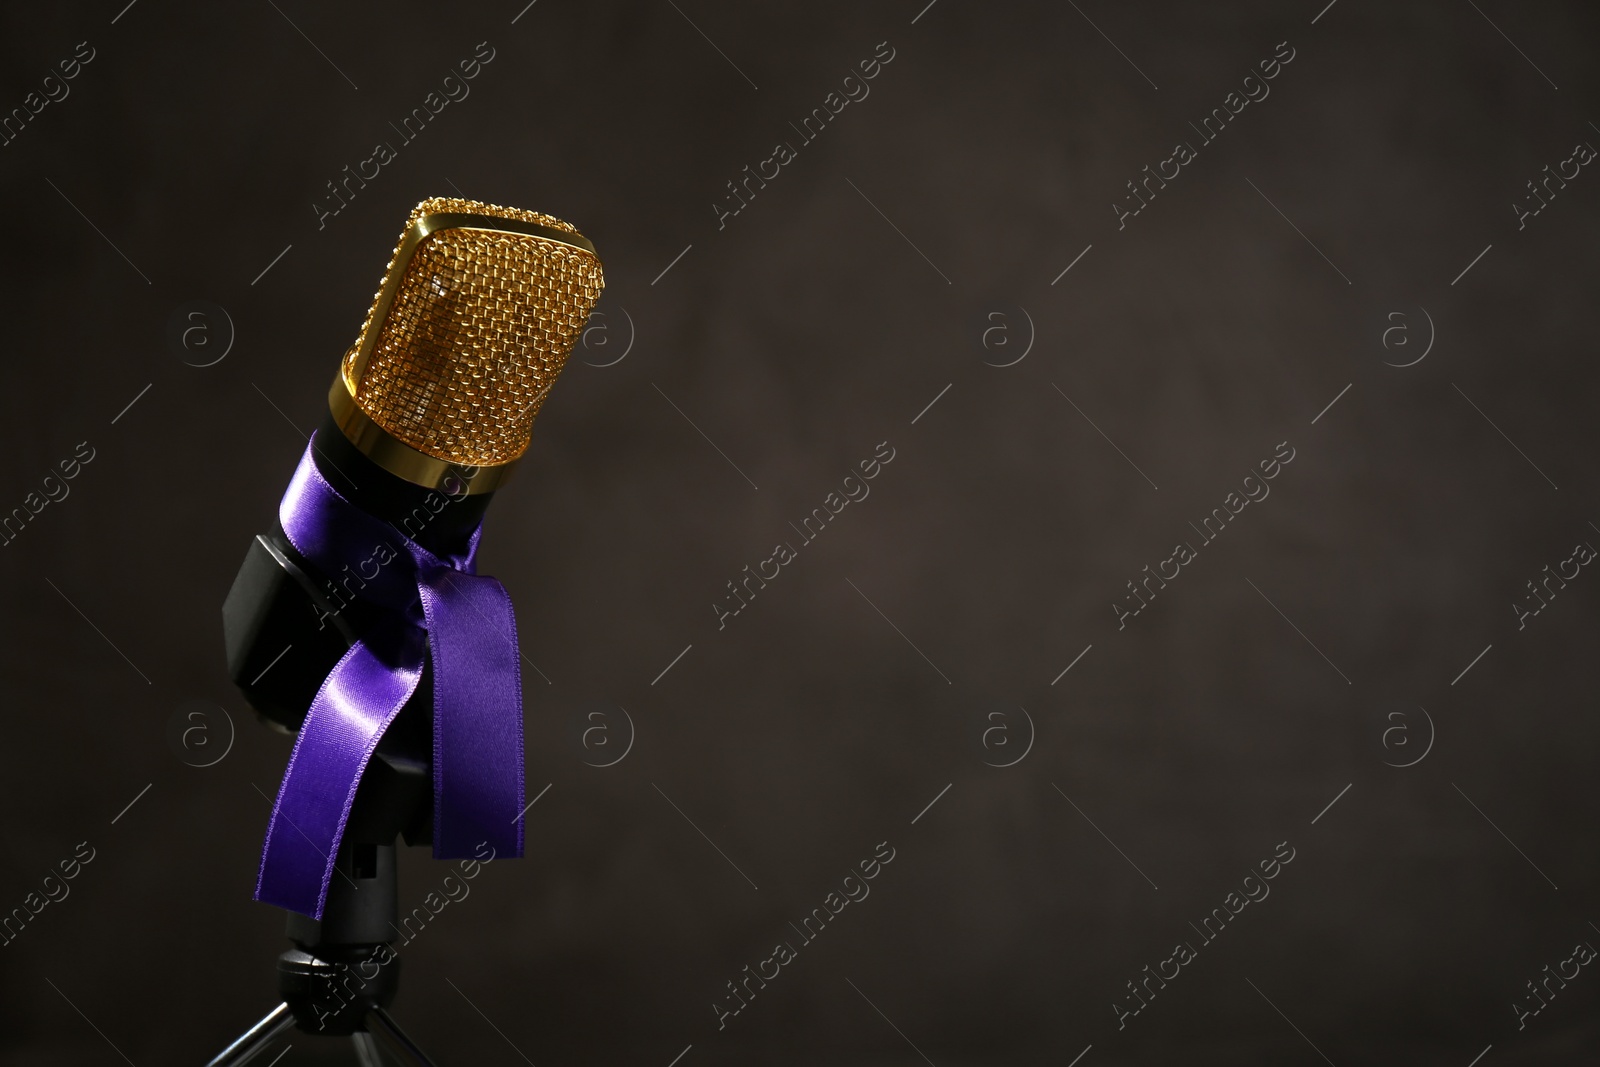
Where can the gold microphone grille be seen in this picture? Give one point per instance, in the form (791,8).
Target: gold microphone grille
(480,324)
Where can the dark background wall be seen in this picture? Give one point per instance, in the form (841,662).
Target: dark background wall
(1321,637)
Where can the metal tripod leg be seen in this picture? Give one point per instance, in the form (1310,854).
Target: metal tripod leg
(393,1040)
(245,1049)
(367,1054)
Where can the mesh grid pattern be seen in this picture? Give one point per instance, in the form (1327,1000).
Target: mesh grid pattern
(480,327)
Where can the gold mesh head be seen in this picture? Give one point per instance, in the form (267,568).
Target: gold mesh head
(475,318)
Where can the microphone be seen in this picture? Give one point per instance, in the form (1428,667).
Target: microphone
(359,622)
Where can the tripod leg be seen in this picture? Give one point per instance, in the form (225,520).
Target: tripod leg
(253,1040)
(367,1054)
(393,1040)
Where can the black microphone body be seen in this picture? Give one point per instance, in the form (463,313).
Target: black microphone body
(286,624)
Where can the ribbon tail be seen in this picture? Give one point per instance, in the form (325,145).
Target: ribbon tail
(357,702)
(477,715)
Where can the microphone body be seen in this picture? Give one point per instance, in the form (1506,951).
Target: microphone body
(286,624)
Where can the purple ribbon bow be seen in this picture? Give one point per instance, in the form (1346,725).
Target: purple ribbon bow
(440,610)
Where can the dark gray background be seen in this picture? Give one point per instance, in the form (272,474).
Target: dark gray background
(797,338)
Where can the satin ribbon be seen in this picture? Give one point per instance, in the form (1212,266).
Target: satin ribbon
(439,611)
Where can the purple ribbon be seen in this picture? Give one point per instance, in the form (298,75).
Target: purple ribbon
(439,609)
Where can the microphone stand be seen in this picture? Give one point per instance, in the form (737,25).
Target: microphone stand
(341,974)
